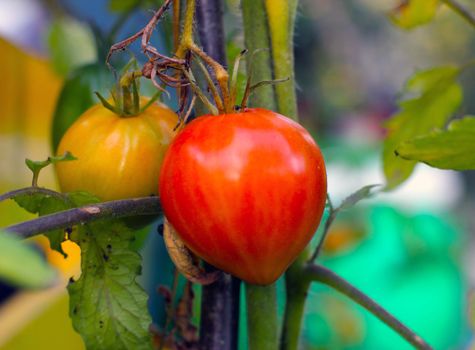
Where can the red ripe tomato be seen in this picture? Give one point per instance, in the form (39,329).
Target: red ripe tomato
(244,191)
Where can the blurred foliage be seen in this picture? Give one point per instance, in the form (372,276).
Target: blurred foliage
(40,319)
(22,265)
(412,13)
(77,95)
(123,5)
(453,148)
(128,5)
(433,96)
(71,44)
(44,320)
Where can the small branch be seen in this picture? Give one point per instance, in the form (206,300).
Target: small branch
(65,219)
(461,10)
(322,274)
(348,202)
(30,191)
(328,223)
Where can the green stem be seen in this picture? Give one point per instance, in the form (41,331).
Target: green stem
(262,329)
(331,217)
(297,285)
(261,301)
(186,39)
(30,191)
(257,38)
(281,12)
(34,180)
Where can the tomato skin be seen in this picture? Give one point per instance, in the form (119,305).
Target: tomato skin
(118,157)
(245,191)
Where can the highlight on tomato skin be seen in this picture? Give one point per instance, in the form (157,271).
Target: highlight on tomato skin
(245,191)
(118,157)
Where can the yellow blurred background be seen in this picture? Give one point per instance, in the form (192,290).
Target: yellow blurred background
(31,320)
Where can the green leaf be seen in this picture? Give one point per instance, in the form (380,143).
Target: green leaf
(434,96)
(453,148)
(44,204)
(107,306)
(71,44)
(37,166)
(77,95)
(413,13)
(48,202)
(362,193)
(22,265)
(33,202)
(81,198)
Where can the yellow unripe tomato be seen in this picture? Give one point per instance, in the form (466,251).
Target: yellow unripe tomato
(118,156)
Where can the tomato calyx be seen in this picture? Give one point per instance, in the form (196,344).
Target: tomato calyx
(125,95)
(176,71)
(224,93)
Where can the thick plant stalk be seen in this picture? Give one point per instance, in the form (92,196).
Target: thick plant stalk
(259,61)
(281,19)
(211,29)
(220,314)
(280,16)
(269,24)
(261,301)
(297,285)
(220,300)
(262,326)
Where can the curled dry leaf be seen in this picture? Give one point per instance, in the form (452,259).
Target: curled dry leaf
(184,259)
